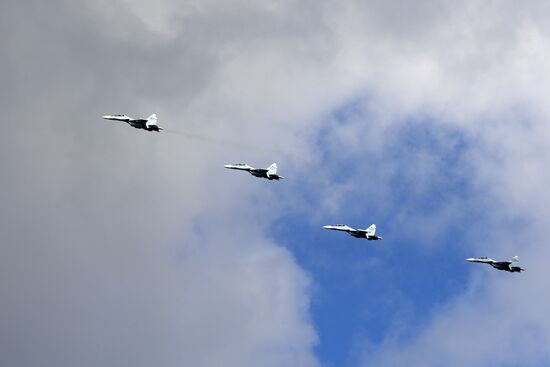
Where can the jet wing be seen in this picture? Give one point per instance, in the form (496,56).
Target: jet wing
(118,118)
(340,227)
(482,259)
(240,166)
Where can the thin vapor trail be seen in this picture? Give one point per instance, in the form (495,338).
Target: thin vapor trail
(214,140)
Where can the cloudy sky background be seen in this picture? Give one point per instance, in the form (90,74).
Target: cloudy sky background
(126,248)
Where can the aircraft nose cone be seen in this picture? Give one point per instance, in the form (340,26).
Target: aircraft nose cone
(471,259)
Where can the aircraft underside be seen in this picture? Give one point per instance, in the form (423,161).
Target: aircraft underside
(506,267)
(258,173)
(263,174)
(137,124)
(142,124)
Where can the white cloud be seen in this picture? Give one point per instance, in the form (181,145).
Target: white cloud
(481,69)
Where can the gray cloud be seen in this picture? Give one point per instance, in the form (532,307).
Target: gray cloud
(126,248)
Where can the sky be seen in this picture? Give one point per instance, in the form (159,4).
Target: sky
(120,247)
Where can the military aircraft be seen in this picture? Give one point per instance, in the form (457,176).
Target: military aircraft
(511,266)
(368,233)
(149,124)
(270,172)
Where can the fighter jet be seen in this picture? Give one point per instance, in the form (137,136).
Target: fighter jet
(368,233)
(270,172)
(150,124)
(511,266)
